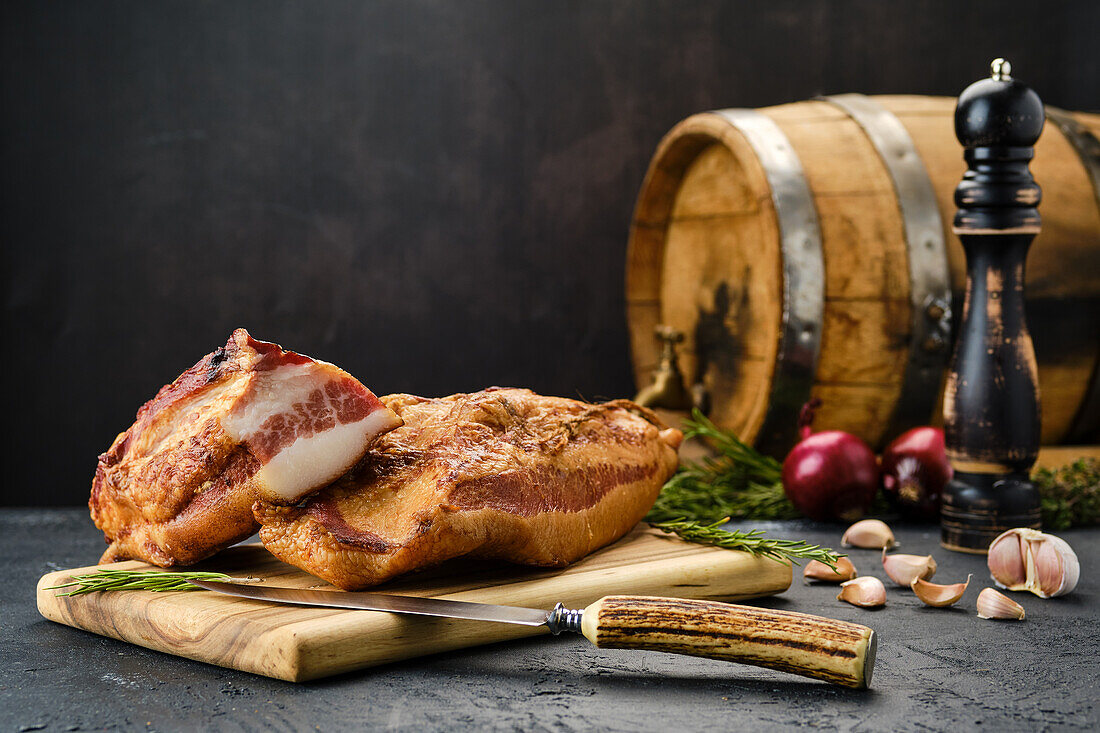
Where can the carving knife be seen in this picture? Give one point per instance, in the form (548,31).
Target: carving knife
(813,646)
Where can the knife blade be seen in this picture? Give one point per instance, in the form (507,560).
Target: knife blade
(813,646)
(382,602)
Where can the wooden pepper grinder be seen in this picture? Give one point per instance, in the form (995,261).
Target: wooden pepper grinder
(991,404)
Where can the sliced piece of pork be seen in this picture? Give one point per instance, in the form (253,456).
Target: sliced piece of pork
(502,473)
(249,421)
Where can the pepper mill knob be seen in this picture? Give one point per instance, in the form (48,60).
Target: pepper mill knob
(998,111)
(991,400)
(998,120)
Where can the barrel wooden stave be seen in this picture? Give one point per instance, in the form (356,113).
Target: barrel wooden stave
(865,333)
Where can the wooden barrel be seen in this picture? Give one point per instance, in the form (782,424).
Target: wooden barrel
(806,250)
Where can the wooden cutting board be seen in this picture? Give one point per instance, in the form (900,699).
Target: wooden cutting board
(300,643)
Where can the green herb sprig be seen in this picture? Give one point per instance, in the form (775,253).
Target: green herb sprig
(739,482)
(1070,495)
(753,541)
(154,580)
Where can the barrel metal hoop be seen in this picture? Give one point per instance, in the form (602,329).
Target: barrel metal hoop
(803,276)
(929,277)
(1086,423)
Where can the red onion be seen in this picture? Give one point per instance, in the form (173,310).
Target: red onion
(831,474)
(914,472)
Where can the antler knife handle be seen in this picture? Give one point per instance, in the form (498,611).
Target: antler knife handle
(991,401)
(812,646)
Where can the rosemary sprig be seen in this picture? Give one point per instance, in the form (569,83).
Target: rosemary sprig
(785,551)
(708,494)
(154,580)
(739,482)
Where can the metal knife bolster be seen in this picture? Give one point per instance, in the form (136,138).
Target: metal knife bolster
(558,620)
(564,619)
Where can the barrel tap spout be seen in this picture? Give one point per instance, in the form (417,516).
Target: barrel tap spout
(667,388)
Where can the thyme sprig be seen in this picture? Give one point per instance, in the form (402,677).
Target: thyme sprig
(754,541)
(154,580)
(1070,495)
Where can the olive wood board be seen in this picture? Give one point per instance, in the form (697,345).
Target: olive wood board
(298,643)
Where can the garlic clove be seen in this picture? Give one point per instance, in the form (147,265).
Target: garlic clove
(1006,559)
(816,570)
(1056,566)
(939,596)
(867,592)
(995,605)
(872,534)
(904,569)
(1027,559)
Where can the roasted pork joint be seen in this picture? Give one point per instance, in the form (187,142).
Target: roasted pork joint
(249,421)
(503,474)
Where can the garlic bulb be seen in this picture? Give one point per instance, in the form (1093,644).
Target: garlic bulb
(904,569)
(1027,559)
(994,605)
(817,570)
(939,595)
(872,534)
(867,592)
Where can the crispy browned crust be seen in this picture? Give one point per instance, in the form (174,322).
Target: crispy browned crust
(502,473)
(175,488)
(200,504)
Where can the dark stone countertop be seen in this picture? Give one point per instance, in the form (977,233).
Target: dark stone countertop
(937,669)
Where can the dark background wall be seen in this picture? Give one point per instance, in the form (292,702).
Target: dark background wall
(434,195)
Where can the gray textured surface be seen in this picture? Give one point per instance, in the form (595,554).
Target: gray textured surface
(937,669)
